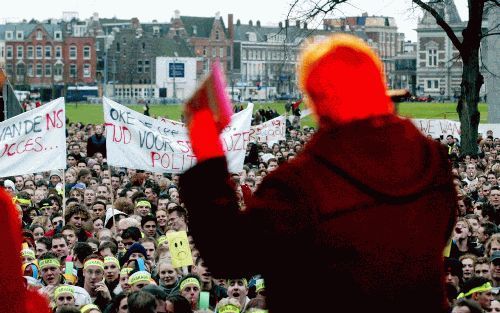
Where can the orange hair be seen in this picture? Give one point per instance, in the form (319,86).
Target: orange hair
(343,80)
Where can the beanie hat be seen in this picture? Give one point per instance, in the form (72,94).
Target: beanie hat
(135,248)
(331,73)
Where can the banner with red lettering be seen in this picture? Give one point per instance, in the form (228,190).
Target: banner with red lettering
(134,140)
(34,141)
(271,131)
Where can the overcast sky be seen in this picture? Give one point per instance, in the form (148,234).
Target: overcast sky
(269,12)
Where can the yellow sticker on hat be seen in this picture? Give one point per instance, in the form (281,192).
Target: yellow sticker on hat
(180,250)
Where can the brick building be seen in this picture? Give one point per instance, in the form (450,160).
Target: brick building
(40,57)
(208,38)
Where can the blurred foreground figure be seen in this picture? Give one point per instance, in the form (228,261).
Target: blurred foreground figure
(15,297)
(358,221)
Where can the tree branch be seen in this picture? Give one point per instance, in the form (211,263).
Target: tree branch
(441,22)
(489,34)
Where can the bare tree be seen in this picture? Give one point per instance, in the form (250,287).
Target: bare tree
(468,47)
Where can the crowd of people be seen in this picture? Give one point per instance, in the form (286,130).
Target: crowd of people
(95,236)
(96,241)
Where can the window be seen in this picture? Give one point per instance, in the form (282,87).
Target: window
(48,52)
(19,35)
(38,52)
(29,52)
(58,35)
(217,35)
(30,69)
(86,52)
(9,52)
(20,69)
(72,52)
(58,52)
(432,84)
(204,50)
(8,67)
(139,66)
(9,35)
(86,70)
(98,46)
(143,47)
(38,70)
(39,35)
(117,47)
(146,66)
(48,70)
(58,70)
(432,57)
(72,71)
(214,52)
(20,52)
(221,52)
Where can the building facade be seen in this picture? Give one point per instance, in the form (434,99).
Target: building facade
(265,59)
(439,68)
(176,77)
(39,57)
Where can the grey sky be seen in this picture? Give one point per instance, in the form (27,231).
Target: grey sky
(267,11)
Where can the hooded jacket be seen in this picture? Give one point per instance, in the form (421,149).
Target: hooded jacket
(359,219)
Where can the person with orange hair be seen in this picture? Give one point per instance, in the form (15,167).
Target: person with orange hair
(369,202)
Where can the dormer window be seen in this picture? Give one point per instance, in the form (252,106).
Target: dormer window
(9,35)
(195,30)
(19,35)
(39,35)
(58,35)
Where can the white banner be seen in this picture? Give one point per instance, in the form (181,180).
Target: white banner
(34,141)
(134,140)
(439,127)
(271,131)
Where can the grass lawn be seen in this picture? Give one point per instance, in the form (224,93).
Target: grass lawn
(91,113)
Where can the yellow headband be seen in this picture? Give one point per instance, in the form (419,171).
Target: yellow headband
(259,285)
(229,308)
(64,289)
(126,270)
(483,288)
(22,201)
(28,252)
(161,240)
(138,277)
(144,203)
(94,262)
(89,307)
(189,281)
(48,262)
(244,280)
(111,259)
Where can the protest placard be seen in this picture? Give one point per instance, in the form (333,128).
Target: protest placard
(141,142)
(34,141)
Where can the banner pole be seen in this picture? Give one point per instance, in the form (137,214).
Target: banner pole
(112,200)
(64,193)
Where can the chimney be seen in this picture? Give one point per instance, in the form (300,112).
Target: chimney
(250,23)
(258,23)
(177,14)
(230,26)
(217,15)
(280,24)
(297,23)
(287,23)
(305,25)
(238,22)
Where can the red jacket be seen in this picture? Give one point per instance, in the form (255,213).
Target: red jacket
(356,223)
